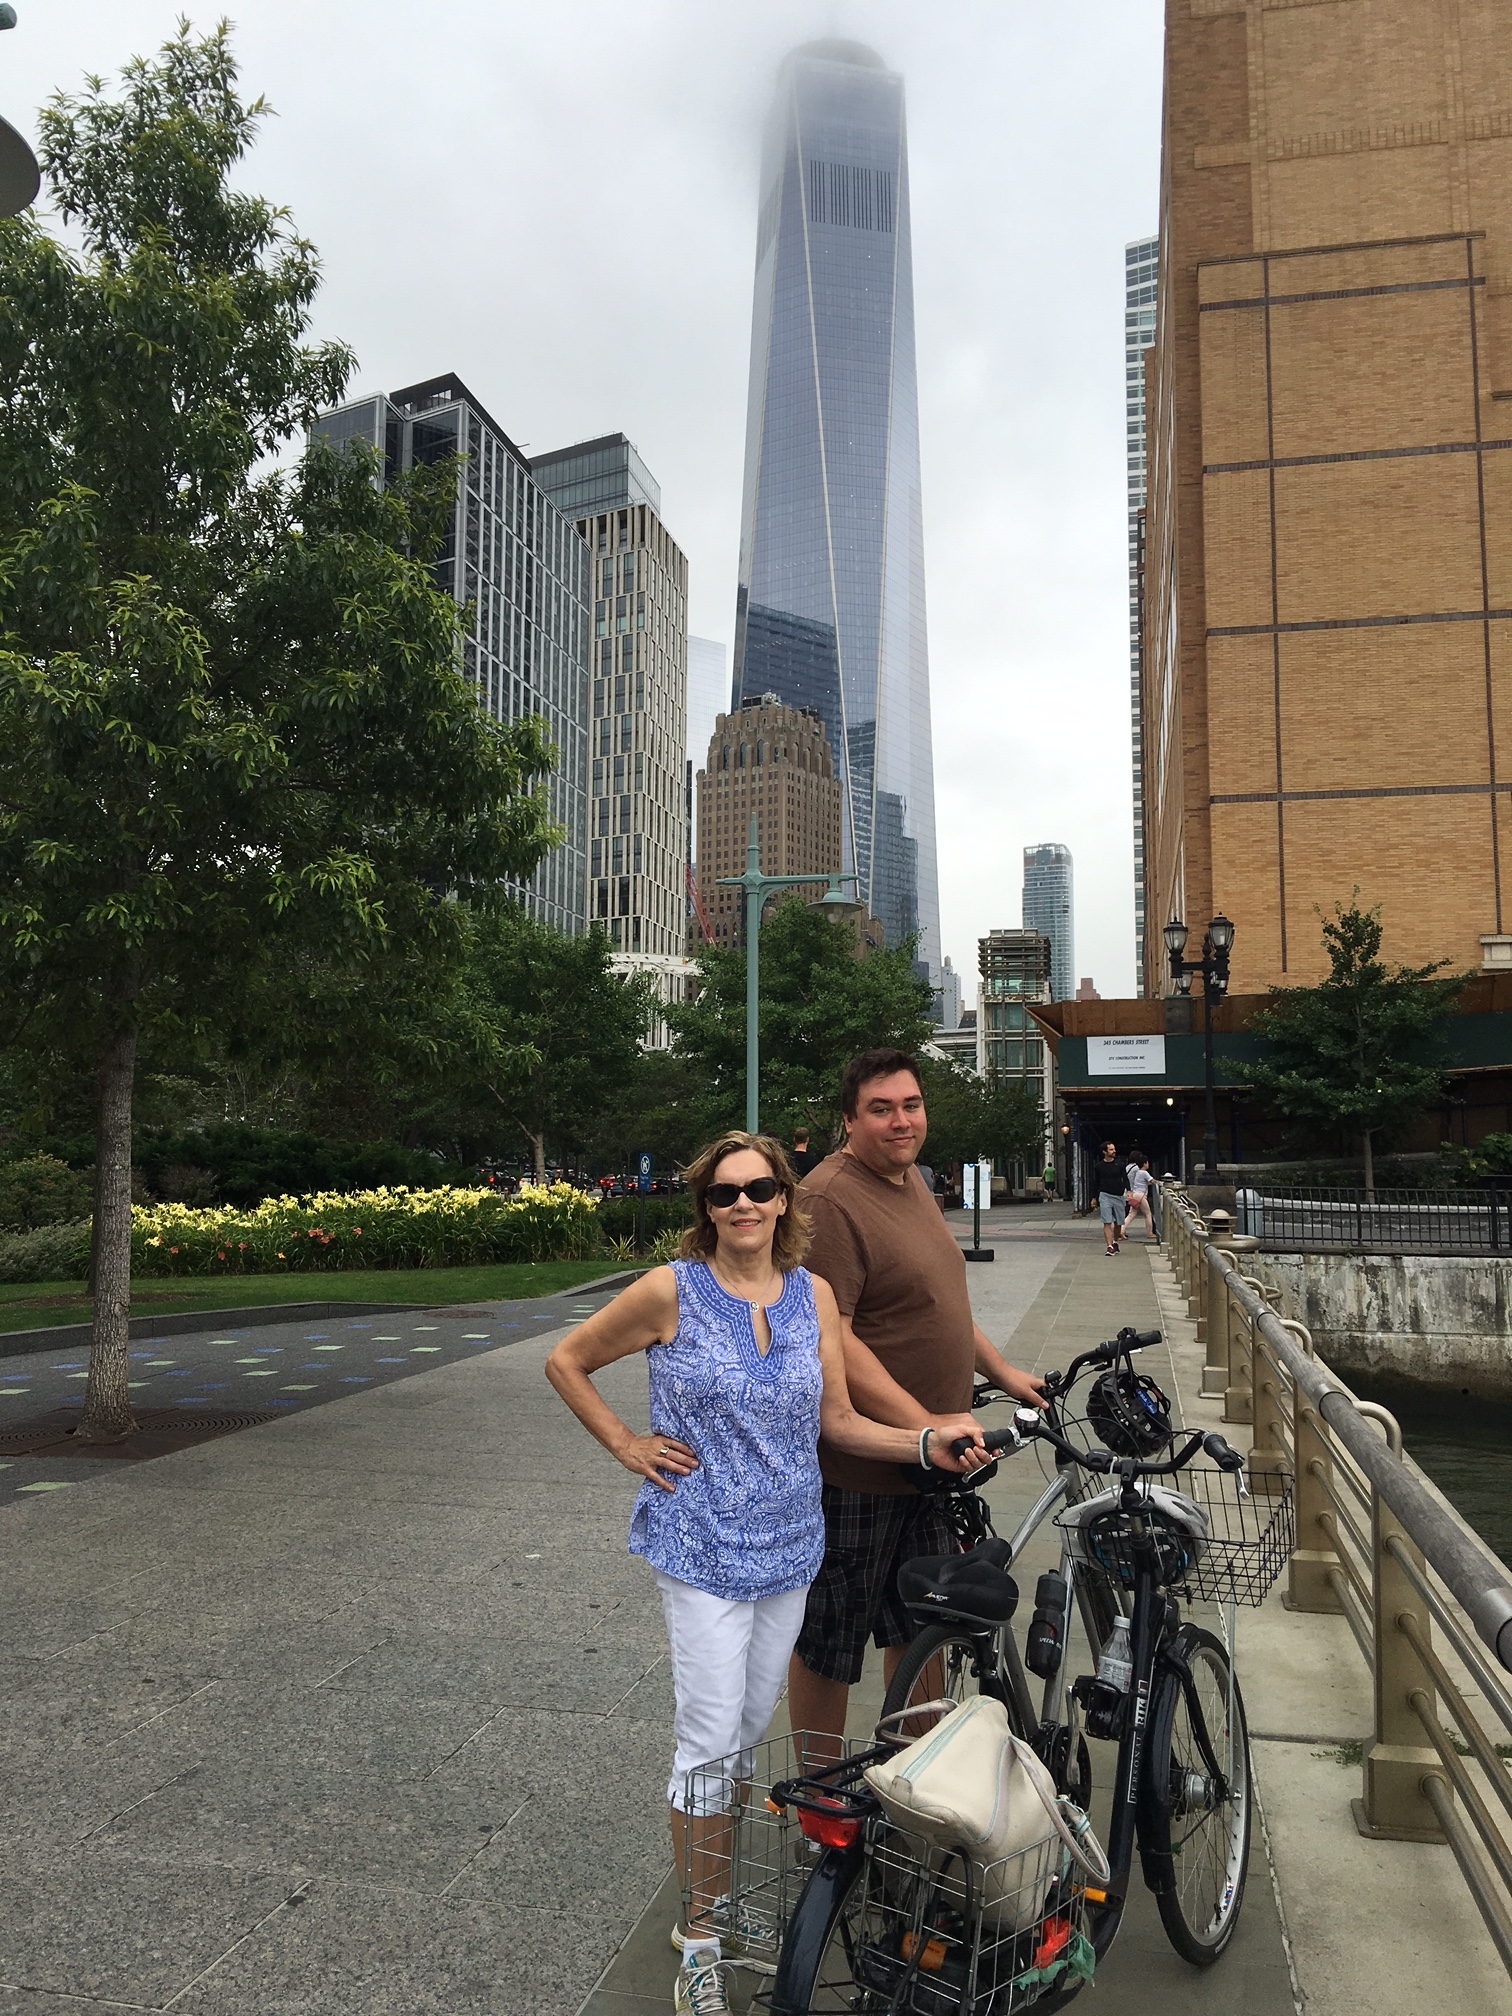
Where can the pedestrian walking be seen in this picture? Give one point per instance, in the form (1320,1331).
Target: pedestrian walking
(747,1367)
(911,1349)
(802,1158)
(1137,1195)
(1111,1182)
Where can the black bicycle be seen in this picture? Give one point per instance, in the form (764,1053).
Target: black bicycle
(884,1926)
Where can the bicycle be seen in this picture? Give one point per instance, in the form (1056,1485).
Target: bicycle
(880,1927)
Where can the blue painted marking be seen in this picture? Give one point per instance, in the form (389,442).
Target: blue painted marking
(319,1366)
(392,1361)
(316,1336)
(351,1380)
(276,1402)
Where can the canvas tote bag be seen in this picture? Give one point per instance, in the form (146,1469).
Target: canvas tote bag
(972,1786)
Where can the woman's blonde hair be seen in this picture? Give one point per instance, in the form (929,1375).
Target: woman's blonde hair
(790,1237)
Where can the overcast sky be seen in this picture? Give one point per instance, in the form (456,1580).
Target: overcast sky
(557,200)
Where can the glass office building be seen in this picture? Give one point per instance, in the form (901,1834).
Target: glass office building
(1049,909)
(1141,269)
(830,607)
(520,574)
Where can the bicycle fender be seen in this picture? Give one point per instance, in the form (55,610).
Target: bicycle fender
(1174,1660)
(809,1926)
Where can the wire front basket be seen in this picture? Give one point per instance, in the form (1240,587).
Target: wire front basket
(1250,1533)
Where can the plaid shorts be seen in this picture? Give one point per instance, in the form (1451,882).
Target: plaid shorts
(867,1538)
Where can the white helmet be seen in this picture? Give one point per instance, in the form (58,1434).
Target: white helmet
(1099,1533)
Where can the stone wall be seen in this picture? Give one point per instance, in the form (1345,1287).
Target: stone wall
(1430,1319)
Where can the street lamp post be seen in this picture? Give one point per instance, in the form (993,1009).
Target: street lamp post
(1217,944)
(757,888)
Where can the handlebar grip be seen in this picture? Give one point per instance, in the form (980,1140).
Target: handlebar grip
(1222,1453)
(1145,1339)
(993,1441)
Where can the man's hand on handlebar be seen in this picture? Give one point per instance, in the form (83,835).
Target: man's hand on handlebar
(1026,1388)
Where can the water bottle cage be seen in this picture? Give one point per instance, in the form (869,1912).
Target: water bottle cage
(1103,1704)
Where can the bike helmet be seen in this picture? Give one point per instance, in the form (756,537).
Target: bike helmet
(1099,1533)
(1129,1414)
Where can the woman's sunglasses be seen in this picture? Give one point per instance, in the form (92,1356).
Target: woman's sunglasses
(761,1191)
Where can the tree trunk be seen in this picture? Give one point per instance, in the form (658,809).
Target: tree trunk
(1369,1166)
(538,1156)
(107,1403)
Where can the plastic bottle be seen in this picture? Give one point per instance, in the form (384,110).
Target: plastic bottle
(1116,1666)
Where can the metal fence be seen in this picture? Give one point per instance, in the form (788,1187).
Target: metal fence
(1429,1605)
(1382,1221)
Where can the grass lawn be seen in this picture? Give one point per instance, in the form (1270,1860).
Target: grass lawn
(30,1305)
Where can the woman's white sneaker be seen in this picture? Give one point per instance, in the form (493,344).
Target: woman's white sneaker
(701,1983)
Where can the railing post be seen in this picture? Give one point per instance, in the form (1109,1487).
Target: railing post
(1309,1583)
(1228,1327)
(1395,1806)
(1222,1319)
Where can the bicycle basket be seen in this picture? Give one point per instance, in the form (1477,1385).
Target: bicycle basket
(1213,1539)
(917,1942)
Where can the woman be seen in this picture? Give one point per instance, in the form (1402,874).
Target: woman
(746,1371)
(1137,1196)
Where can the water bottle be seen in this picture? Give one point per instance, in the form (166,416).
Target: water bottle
(1116,1666)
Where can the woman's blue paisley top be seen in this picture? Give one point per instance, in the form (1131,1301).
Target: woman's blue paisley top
(748,1523)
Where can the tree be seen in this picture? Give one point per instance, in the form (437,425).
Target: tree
(554,1031)
(1353,1052)
(821,1003)
(971,1116)
(232,723)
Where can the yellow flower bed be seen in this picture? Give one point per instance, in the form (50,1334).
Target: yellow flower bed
(364,1228)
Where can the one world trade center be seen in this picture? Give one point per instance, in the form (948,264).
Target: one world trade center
(830,610)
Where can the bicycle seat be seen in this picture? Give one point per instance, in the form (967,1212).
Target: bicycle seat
(975,1586)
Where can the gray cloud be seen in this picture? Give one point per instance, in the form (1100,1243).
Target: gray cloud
(559,201)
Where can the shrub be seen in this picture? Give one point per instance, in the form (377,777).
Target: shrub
(49,1253)
(244,1165)
(371,1228)
(42,1191)
(618,1217)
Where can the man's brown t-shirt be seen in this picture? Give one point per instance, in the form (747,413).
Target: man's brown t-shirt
(897,1272)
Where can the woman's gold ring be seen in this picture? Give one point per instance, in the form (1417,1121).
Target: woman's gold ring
(664,1450)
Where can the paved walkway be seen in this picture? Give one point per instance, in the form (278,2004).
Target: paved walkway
(366,1709)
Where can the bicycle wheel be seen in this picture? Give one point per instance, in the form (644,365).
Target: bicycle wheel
(1199,1804)
(941,1664)
(822,1966)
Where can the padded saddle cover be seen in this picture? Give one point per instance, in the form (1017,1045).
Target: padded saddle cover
(975,1586)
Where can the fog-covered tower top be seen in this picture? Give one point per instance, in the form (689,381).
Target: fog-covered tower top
(830,609)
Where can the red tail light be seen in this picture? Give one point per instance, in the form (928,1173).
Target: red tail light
(831,1829)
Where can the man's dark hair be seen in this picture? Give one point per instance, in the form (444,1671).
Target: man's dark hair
(800,1134)
(874,1064)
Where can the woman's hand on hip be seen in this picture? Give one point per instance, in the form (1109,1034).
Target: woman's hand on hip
(651,1455)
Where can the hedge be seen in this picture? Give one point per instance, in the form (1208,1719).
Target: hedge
(371,1228)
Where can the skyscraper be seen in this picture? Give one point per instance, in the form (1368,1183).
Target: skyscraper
(771,762)
(519,573)
(1049,909)
(830,606)
(708,698)
(1141,270)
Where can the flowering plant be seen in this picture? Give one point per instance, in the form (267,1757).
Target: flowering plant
(365,1228)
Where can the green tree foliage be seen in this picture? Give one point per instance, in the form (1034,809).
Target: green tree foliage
(1354,1053)
(554,1034)
(820,1005)
(232,724)
(971,1116)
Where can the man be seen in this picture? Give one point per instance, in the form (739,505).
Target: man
(1110,1180)
(803,1159)
(911,1348)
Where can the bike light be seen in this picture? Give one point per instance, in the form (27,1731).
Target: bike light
(932,1959)
(832,1829)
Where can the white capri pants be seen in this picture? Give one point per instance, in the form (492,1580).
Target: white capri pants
(729,1661)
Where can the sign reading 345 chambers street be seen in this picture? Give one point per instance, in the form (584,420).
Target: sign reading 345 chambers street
(1126,1057)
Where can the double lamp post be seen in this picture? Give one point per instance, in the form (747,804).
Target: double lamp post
(1217,943)
(758,888)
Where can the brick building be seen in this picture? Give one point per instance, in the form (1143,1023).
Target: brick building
(773,761)
(1327,615)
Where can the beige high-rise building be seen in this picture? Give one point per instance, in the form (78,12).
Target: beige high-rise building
(638,665)
(1327,620)
(773,761)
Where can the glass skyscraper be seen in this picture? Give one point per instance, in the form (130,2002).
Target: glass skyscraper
(830,607)
(1141,268)
(1048,909)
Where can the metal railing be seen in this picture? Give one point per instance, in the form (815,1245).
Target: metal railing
(1390,1221)
(1429,1605)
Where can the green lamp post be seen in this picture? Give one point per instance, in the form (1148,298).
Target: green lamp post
(757,888)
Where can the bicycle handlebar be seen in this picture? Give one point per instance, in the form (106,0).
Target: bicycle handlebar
(1030,1425)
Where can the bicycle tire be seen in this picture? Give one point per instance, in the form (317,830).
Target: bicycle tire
(1197,1817)
(818,1945)
(958,1681)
